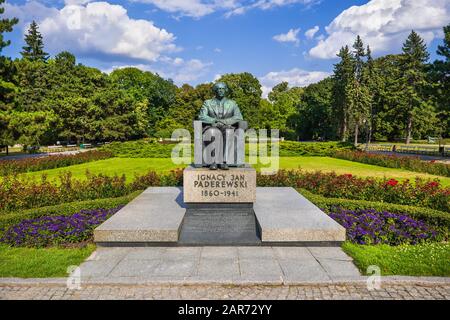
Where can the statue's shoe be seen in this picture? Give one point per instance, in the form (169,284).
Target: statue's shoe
(224,166)
(213,167)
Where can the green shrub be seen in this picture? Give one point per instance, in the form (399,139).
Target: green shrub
(154,149)
(11,218)
(435,218)
(393,161)
(50,162)
(295,148)
(139,149)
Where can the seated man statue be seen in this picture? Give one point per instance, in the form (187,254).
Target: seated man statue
(221,114)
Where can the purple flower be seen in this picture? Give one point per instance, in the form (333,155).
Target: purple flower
(61,229)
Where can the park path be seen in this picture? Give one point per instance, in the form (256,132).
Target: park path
(389,290)
(222,273)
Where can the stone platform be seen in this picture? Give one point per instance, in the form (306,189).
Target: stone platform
(158,215)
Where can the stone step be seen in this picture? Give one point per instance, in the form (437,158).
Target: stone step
(209,226)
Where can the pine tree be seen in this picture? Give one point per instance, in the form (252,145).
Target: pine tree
(34,50)
(7,88)
(359,94)
(343,79)
(440,75)
(370,78)
(5,26)
(359,55)
(413,65)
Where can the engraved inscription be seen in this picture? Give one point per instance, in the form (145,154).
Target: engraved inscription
(202,185)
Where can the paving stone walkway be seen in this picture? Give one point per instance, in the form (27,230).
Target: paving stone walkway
(221,273)
(222,265)
(343,291)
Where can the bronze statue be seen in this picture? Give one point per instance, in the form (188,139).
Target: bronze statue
(221,113)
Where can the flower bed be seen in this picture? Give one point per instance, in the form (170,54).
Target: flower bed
(56,230)
(421,193)
(372,227)
(50,162)
(393,161)
(20,193)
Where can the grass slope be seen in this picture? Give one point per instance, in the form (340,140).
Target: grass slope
(40,263)
(132,166)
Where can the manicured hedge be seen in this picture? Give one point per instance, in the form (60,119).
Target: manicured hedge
(295,148)
(7,218)
(393,161)
(139,149)
(50,162)
(433,217)
(145,149)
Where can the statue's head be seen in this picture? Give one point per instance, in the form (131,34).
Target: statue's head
(220,89)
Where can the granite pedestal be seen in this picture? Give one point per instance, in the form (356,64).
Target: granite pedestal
(282,217)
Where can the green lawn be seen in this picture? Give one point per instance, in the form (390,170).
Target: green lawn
(40,263)
(132,166)
(412,260)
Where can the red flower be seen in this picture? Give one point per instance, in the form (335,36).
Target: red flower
(392,182)
(348,175)
(433,184)
(432,161)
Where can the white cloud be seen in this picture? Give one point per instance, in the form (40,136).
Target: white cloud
(98,29)
(182,71)
(217,50)
(200,8)
(384,25)
(311,32)
(295,77)
(290,36)
(77,2)
(177,69)
(191,8)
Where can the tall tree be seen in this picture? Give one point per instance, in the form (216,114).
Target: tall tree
(315,118)
(413,62)
(371,80)
(281,112)
(245,89)
(7,87)
(6,25)
(159,94)
(34,48)
(440,75)
(343,82)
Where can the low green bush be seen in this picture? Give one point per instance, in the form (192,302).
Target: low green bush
(50,162)
(436,218)
(139,149)
(11,218)
(393,161)
(295,148)
(154,149)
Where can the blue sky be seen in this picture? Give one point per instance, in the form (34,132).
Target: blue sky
(195,41)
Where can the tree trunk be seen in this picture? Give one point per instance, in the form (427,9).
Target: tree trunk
(344,129)
(409,129)
(369,135)
(356,134)
(7,150)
